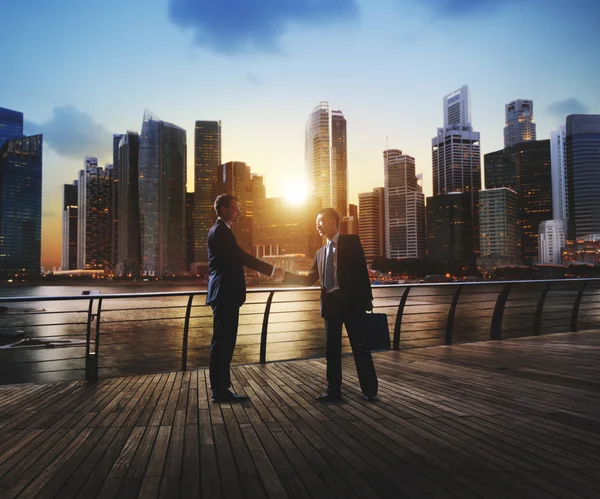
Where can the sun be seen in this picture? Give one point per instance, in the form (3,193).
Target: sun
(296,193)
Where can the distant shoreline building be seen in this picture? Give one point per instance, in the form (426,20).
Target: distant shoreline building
(371,223)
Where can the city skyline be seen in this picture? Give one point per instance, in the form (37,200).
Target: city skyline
(273,79)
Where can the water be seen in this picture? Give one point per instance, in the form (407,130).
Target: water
(145,334)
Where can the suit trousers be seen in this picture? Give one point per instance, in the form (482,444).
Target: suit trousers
(336,315)
(225,326)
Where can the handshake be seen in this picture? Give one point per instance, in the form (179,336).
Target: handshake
(278,274)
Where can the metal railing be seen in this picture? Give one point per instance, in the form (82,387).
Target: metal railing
(284,322)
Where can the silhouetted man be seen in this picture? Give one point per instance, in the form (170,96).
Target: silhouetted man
(226,293)
(346,295)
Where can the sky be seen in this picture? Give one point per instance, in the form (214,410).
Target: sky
(81,71)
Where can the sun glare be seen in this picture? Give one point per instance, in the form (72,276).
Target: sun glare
(296,193)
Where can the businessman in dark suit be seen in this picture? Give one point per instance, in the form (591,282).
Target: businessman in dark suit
(346,295)
(227,293)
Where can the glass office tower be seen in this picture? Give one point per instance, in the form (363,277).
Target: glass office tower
(21,206)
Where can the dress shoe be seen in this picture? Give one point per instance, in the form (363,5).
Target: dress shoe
(371,398)
(330,397)
(228,397)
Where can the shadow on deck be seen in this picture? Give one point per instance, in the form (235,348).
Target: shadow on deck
(517,418)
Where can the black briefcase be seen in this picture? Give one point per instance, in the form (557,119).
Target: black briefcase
(376,332)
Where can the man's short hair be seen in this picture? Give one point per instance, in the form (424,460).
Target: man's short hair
(330,214)
(223,200)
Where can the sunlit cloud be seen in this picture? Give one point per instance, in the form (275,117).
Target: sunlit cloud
(72,133)
(234,26)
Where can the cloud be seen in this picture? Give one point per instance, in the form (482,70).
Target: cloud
(254,79)
(459,8)
(72,133)
(234,26)
(568,106)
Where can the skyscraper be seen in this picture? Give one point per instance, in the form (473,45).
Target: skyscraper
(499,170)
(456,151)
(235,178)
(207,159)
(372,224)
(531,162)
(499,227)
(558,164)
(11,125)
(519,122)
(94,217)
(21,205)
(69,224)
(339,164)
(456,159)
(162,165)
(450,232)
(318,153)
(583,180)
(326,157)
(115,198)
(404,207)
(130,246)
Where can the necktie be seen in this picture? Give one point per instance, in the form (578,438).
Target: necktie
(329,267)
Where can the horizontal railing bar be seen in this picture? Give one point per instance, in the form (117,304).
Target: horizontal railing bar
(279,289)
(46,312)
(41,361)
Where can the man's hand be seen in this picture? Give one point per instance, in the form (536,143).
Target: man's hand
(279,274)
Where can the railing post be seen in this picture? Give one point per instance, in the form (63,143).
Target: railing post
(399,314)
(576,305)
(496,328)
(97,348)
(263,336)
(537,322)
(89,368)
(186,329)
(451,313)
(91,358)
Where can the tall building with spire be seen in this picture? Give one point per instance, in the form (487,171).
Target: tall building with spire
(162,164)
(326,157)
(404,207)
(520,126)
(207,159)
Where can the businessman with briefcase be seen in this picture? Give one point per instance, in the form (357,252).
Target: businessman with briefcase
(346,295)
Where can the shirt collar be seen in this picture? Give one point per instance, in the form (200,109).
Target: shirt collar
(228,226)
(334,239)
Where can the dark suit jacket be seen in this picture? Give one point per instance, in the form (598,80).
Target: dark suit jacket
(226,261)
(352,273)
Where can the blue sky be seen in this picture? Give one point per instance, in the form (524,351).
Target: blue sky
(81,71)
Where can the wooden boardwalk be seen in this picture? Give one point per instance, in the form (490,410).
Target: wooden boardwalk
(518,418)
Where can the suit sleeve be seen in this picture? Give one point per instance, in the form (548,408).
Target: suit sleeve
(364,271)
(303,280)
(255,264)
(229,251)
